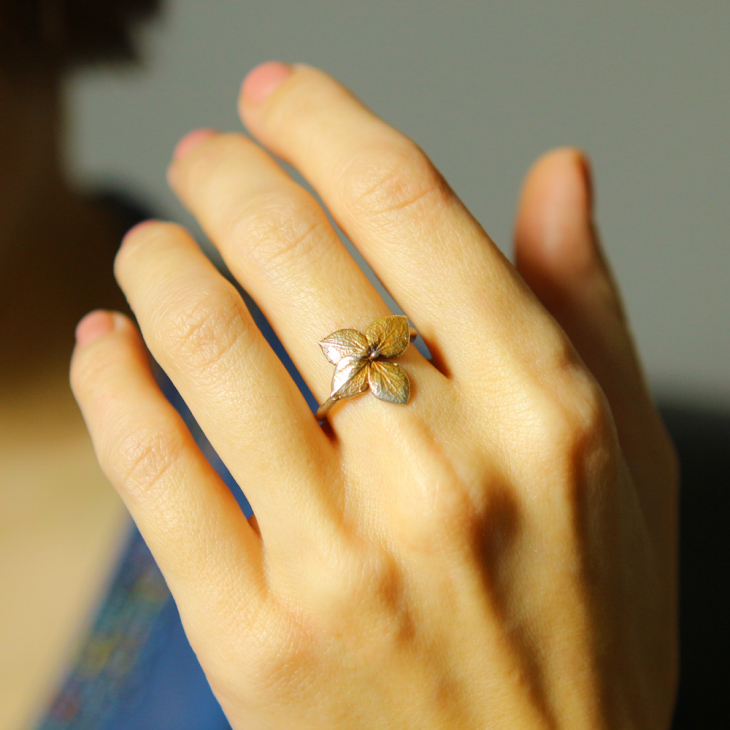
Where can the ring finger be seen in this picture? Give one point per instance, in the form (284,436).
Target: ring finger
(199,330)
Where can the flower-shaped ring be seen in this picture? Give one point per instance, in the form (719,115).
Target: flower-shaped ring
(361,362)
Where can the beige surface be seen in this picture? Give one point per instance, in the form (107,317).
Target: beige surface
(61,526)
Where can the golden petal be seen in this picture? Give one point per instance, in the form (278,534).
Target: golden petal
(389,382)
(343,343)
(389,335)
(351,377)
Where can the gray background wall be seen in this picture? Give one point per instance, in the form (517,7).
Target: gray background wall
(484,88)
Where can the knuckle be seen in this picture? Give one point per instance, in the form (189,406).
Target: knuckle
(355,575)
(448,496)
(371,575)
(364,595)
(283,666)
(201,329)
(277,234)
(391,180)
(572,410)
(270,651)
(590,421)
(450,513)
(575,433)
(143,458)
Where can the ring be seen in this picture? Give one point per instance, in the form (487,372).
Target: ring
(361,362)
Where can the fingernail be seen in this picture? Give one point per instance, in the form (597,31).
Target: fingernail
(262,80)
(191,140)
(94,325)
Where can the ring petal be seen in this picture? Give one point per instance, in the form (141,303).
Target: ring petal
(389,382)
(351,377)
(390,335)
(343,343)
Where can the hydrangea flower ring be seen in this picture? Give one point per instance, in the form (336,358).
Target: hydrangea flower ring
(361,362)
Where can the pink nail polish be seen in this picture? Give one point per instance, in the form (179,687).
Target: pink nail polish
(191,140)
(263,80)
(94,325)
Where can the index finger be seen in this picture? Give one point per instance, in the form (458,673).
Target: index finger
(384,192)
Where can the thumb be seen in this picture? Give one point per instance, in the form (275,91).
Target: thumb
(558,254)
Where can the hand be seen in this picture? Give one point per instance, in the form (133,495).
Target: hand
(501,551)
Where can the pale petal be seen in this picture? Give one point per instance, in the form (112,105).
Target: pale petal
(343,343)
(351,377)
(389,335)
(389,382)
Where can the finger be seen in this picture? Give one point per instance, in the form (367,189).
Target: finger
(277,241)
(187,515)
(558,254)
(422,243)
(199,330)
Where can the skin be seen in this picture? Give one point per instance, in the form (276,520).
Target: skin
(500,552)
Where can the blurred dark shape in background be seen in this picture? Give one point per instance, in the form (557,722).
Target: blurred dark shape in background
(38,36)
(702,438)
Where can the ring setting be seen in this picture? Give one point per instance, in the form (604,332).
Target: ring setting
(362,362)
